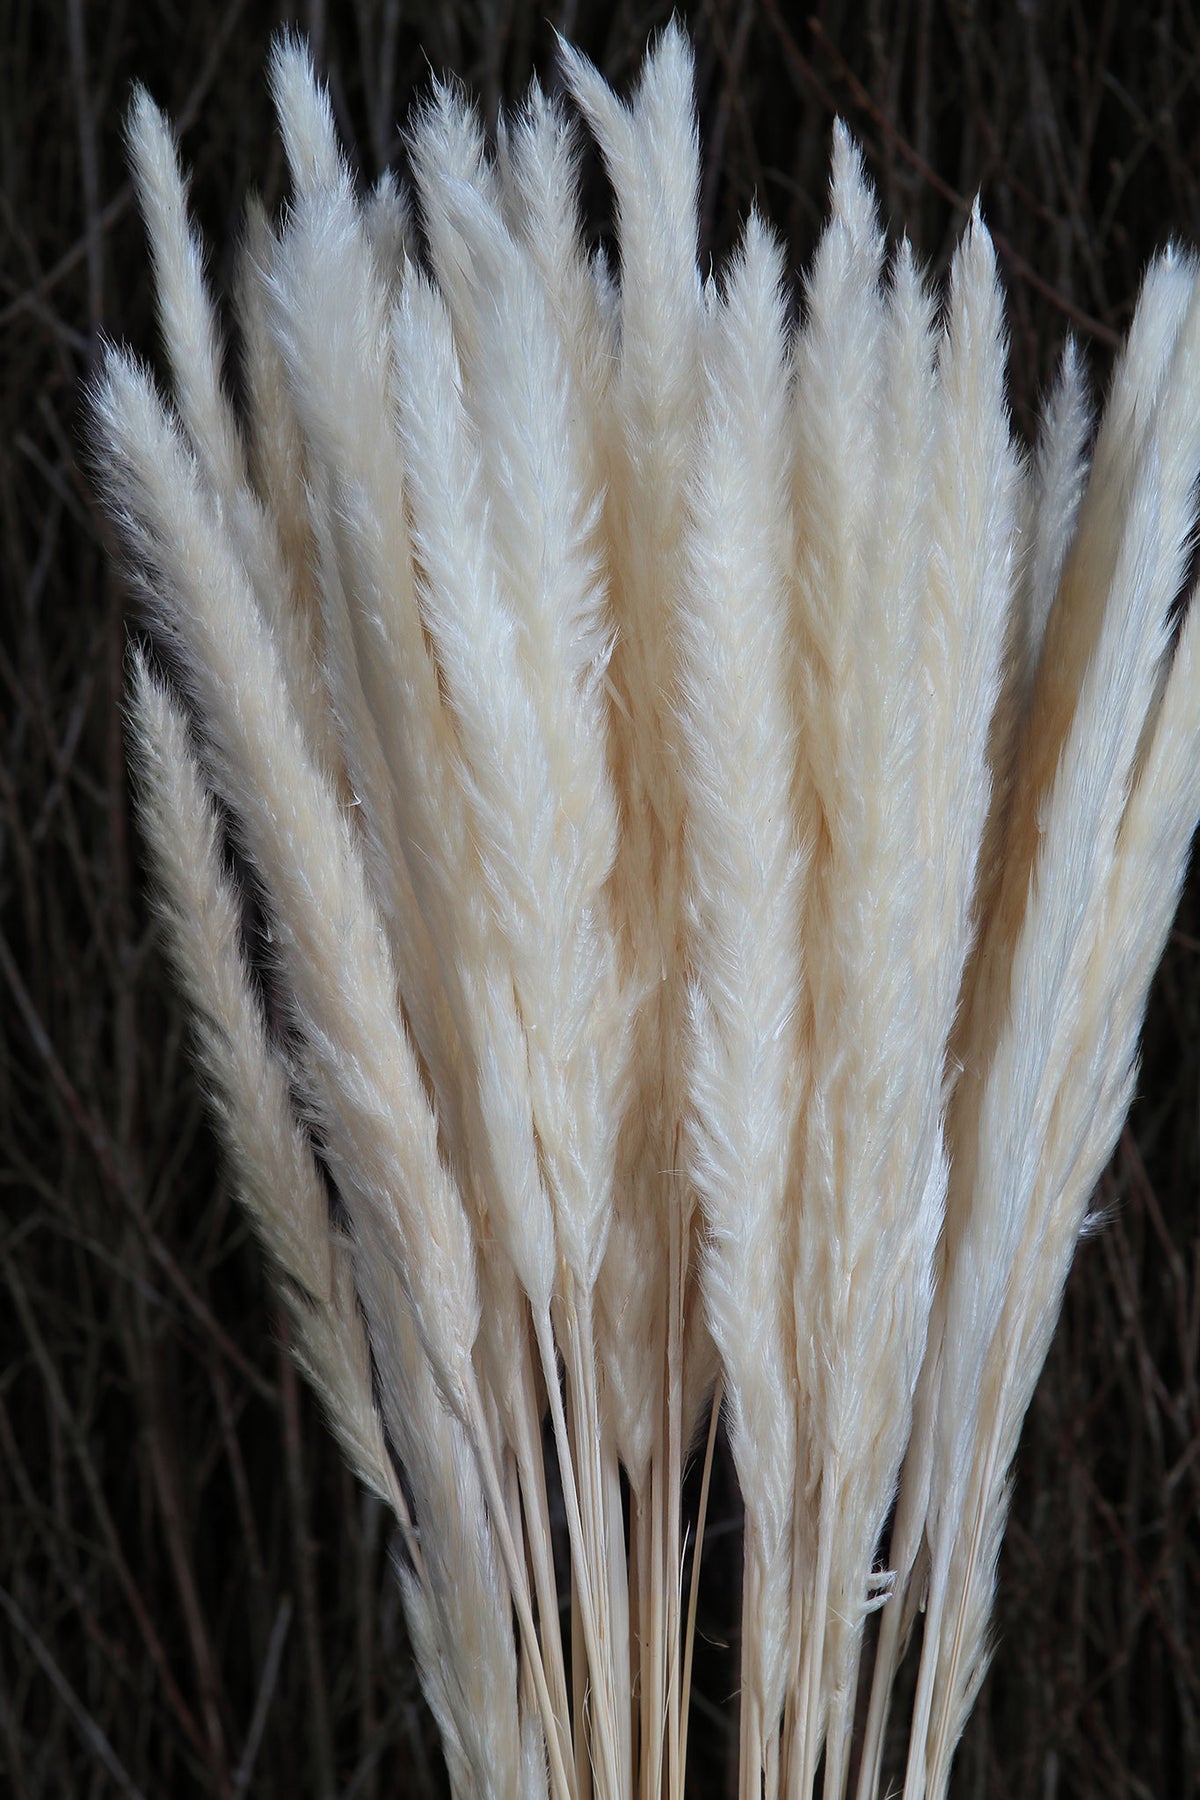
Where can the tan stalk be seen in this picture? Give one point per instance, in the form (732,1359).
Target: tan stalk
(694,1593)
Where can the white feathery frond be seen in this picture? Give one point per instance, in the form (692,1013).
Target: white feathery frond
(1026,1115)
(1078,612)
(505,766)
(387,217)
(545,174)
(542,862)
(194,353)
(185,309)
(469,1607)
(651,155)
(744,881)
(305,117)
(542,527)
(969,603)
(1059,483)
(1155,836)
(901,883)
(629,1311)
(1083,810)
(277,1178)
(837,384)
(277,453)
(652,158)
(963,623)
(838,363)
(335,329)
(327,313)
(447,151)
(378,1128)
(1052,486)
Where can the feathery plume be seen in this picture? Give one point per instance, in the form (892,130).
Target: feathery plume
(710,810)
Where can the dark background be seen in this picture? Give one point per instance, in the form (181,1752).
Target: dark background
(193,1595)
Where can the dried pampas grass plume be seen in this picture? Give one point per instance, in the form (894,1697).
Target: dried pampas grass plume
(666,822)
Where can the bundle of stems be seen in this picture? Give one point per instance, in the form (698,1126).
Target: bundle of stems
(666,817)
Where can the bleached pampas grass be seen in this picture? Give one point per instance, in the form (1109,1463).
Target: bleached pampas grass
(666,820)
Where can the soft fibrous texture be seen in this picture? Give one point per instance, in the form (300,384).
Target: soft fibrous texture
(666,821)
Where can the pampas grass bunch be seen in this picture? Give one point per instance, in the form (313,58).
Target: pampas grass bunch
(666,818)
